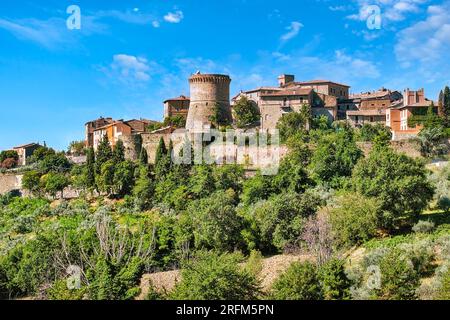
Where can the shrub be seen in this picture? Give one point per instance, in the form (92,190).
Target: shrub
(444,289)
(213,276)
(398,181)
(354,219)
(335,285)
(299,282)
(423,227)
(280,219)
(215,222)
(399,280)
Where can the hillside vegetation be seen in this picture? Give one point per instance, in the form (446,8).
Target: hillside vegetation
(373,226)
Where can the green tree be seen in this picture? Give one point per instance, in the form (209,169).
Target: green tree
(77,148)
(215,222)
(245,112)
(54,183)
(354,219)
(8,154)
(431,142)
(335,285)
(220,117)
(144,187)
(104,154)
(123,178)
(398,181)
(161,152)
(31,181)
(299,282)
(119,152)
(446,106)
(90,169)
(334,158)
(292,123)
(213,276)
(143,157)
(105,180)
(280,219)
(399,280)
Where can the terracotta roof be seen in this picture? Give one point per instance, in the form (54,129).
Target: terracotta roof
(317,82)
(400,104)
(370,95)
(292,92)
(26,145)
(180,98)
(258,89)
(376,112)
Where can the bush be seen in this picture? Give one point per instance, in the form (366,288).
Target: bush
(398,181)
(215,223)
(213,276)
(335,285)
(299,282)
(280,219)
(423,227)
(399,280)
(354,219)
(334,158)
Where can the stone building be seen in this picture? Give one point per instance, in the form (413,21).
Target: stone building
(208,91)
(397,117)
(117,128)
(368,107)
(25,151)
(91,126)
(273,102)
(176,107)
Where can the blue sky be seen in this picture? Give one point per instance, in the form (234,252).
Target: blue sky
(129,56)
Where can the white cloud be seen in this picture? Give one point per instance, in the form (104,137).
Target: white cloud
(391,10)
(293,31)
(132,16)
(51,33)
(130,70)
(156,24)
(427,41)
(174,17)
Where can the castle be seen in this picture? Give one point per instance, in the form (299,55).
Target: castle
(211,92)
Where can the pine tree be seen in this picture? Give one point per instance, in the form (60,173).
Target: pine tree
(143,156)
(119,152)
(104,153)
(90,166)
(161,152)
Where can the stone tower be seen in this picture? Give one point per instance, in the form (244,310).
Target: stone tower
(207,91)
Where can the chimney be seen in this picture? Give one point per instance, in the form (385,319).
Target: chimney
(285,79)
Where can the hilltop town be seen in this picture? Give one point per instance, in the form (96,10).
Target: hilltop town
(324,98)
(360,190)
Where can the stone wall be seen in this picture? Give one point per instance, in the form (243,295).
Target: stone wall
(10,182)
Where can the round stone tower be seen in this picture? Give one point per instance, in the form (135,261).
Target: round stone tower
(207,92)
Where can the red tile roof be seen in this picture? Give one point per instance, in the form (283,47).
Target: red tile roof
(180,98)
(312,82)
(287,92)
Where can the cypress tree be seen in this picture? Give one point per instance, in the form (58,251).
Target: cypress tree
(143,156)
(161,152)
(90,166)
(441,104)
(446,106)
(104,153)
(119,152)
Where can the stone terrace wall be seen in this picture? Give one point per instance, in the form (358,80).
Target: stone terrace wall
(10,182)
